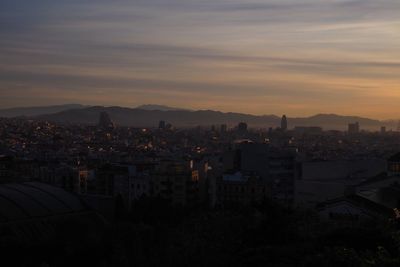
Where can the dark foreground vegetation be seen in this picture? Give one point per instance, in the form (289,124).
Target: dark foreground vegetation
(156,234)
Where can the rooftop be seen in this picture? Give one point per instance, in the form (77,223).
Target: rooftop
(36,200)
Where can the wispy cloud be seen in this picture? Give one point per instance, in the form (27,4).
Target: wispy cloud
(277,51)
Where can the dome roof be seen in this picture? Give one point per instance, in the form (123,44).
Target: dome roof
(36,200)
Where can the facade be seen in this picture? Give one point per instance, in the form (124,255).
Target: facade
(175,181)
(375,197)
(15,170)
(354,128)
(275,167)
(382,189)
(319,181)
(122,181)
(140,186)
(353,210)
(237,189)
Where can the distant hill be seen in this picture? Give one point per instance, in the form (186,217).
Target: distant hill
(150,118)
(159,107)
(35,111)
(150,115)
(338,122)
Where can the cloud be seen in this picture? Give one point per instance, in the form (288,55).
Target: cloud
(309,51)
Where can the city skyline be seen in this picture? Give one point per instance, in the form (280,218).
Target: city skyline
(16,111)
(255,57)
(199,133)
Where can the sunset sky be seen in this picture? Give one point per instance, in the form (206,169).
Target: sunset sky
(298,57)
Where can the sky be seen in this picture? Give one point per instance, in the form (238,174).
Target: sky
(260,57)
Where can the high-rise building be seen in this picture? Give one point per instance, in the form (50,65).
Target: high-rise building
(105,121)
(284,123)
(354,128)
(161,125)
(383,130)
(242,127)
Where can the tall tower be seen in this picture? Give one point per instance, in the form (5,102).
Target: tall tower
(284,124)
(161,125)
(105,122)
(242,127)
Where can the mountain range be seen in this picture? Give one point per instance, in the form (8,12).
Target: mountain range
(150,115)
(35,111)
(160,107)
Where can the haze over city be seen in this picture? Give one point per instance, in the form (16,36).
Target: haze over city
(260,57)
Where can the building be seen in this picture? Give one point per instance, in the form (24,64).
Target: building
(284,123)
(381,189)
(122,181)
(353,210)
(30,213)
(319,181)
(354,128)
(175,181)
(242,128)
(377,197)
(275,167)
(105,121)
(161,125)
(16,170)
(237,189)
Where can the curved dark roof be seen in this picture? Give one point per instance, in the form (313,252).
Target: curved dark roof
(35,200)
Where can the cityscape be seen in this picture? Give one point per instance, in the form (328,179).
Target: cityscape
(290,184)
(199,133)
